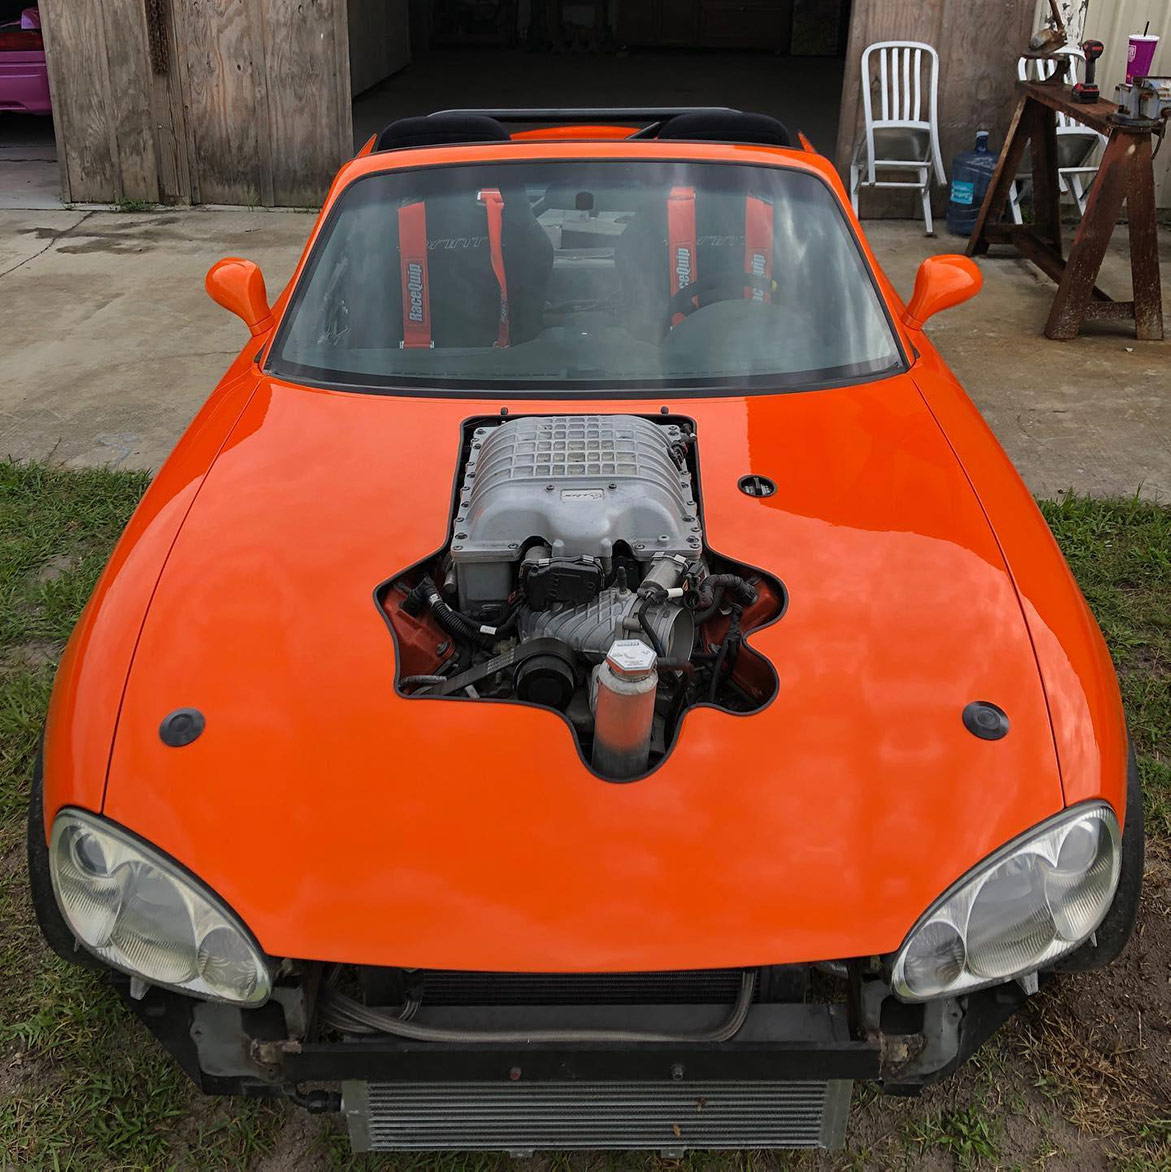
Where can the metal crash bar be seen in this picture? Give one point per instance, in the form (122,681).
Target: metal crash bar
(592,113)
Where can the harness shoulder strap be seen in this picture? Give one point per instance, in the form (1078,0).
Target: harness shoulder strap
(758,246)
(681,241)
(493,203)
(416,287)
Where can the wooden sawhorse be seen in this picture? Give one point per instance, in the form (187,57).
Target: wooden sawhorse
(1126,175)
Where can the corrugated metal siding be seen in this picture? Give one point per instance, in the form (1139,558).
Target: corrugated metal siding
(1112,22)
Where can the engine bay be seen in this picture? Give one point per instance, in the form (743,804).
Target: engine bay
(576,577)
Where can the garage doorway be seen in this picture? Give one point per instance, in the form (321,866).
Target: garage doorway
(779,57)
(28,146)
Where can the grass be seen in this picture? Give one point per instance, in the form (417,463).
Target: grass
(1120,552)
(134,205)
(83,1086)
(966,1134)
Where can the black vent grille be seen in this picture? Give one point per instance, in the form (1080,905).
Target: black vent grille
(756,486)
(686,987)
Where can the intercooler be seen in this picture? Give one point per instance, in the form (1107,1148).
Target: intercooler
(522,1117)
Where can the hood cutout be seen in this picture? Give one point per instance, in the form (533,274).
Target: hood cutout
(576,578)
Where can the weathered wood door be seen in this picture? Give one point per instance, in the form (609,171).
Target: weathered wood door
(108,103)
(267,96)
(201,101)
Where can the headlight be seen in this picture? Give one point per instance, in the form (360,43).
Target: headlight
(141,913)
(1018,911)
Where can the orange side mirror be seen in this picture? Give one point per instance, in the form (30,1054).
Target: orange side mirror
(942,281)
(238,285)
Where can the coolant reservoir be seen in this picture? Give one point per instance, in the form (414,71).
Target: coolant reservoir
(624,709)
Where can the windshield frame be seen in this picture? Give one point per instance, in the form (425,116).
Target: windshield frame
(525,389)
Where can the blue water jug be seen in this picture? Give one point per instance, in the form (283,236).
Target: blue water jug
(971,172)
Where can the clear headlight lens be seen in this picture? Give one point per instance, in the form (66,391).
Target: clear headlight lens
(140,913)
(1019,910)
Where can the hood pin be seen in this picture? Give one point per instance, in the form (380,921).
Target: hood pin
(181,727)
(985,720)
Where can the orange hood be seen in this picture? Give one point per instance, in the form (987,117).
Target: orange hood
(343,822)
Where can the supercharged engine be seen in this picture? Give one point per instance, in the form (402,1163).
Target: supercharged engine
(577,577)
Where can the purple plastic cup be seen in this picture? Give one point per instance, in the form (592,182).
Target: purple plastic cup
(1139,55)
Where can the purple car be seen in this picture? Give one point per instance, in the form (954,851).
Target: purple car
(24,79)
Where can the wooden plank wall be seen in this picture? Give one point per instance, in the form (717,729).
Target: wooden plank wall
(251,104)
(307,74)
(99,76)
(221,56)
(978,45)
(166,106)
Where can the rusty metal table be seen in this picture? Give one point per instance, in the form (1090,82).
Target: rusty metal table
(1126,175)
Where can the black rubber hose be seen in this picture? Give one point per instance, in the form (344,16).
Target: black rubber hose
(647,628)
(702,616)
(316,1101)
(457,625)
(510,621)
(740,588)
(416,599)
(731,639)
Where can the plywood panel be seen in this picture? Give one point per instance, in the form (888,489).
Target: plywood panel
(304,95)
(128,75)
(170,135)
(978,45)
(248,101)
(224,87)
(81,103)
(880,20)
(55,68)
(978,49)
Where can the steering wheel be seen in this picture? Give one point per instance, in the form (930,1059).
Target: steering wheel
(730,285)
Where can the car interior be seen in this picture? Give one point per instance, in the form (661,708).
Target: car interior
(586,270)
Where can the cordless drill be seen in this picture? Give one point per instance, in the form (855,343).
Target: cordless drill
(1087,91)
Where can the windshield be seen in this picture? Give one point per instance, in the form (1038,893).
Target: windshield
(551,275)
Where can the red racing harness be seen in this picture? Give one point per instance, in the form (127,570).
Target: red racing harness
(758,246)
(493,203)
(681,241)
(412,250)
(416,284)
(682,252)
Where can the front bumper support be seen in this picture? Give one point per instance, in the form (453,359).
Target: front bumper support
(783,1041)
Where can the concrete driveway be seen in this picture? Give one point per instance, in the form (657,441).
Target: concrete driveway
(109,345)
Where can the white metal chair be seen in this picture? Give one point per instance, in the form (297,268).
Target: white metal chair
(1076,142)
(901,138)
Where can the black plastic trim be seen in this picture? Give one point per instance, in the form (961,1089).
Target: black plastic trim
(388,1062)
(53,925)
(1116,927)
(601,114)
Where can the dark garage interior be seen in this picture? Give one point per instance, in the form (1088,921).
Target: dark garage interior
(779,57)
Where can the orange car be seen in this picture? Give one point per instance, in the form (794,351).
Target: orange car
(588,676)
